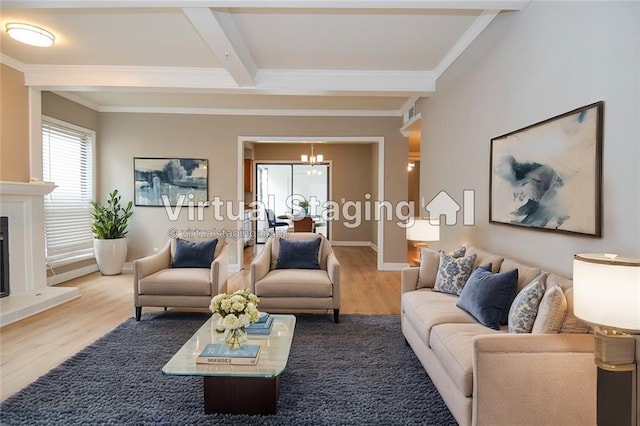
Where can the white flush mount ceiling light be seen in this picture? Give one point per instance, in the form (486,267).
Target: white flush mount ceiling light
(30,34)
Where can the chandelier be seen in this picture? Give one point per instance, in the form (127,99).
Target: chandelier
(311,159)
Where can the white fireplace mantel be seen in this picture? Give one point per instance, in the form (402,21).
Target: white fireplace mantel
(23,204)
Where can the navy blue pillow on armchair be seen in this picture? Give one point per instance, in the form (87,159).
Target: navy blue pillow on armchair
(194,255)
(299,254)
(488,296)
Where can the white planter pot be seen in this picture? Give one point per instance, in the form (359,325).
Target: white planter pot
(110,255)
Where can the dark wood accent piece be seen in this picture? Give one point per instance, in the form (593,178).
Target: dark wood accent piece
(241,395)
(248,174)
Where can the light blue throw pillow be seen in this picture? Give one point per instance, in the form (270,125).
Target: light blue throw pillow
(524,308)
(453,273)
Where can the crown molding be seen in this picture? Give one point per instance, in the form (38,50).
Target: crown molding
(10,62)
(275,4)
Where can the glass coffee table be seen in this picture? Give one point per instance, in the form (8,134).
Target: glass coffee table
(238,389)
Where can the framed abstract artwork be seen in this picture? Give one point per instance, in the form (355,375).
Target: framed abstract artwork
(548,175)
(170,181)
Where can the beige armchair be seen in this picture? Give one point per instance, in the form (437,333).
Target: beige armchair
(156,283)
(297,289)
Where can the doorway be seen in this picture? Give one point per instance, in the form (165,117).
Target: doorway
(285,187)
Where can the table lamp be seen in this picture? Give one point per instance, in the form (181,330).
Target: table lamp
(418,233)
(607,295)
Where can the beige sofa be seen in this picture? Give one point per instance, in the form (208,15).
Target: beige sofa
(491,377)
(156,283)
(297,289)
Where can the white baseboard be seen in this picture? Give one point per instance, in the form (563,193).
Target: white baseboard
(69,275)
(374,247)
(128,267)
(394,266)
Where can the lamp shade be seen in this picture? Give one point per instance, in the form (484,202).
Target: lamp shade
(606,290)
(424,230)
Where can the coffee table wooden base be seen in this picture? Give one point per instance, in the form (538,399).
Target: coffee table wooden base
(241,395)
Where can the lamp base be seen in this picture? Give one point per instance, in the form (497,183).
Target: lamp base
(617,377)
(413,252)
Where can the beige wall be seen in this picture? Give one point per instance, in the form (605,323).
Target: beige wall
(514,75)
(351,173)
(14,126)
(124,136)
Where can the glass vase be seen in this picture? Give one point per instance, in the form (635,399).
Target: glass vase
(235,338)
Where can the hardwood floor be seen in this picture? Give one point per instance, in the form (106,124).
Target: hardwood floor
(33,346)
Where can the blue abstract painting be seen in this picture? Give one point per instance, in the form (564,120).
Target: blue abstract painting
(547,175)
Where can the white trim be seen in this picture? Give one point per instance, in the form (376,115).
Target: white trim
(72,274)
(286,4)
(373,246)
(35,134)
(412,125)
(26,188)
(11,62)
(466,39)
(250,112)
(127,267)
(351,243)
(393,266)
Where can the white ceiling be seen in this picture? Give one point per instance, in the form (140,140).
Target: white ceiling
(288,57)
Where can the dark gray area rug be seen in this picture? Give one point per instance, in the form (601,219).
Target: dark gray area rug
(357,372)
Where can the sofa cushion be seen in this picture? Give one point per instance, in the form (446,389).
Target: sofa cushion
(526,273)
(488,296)
(571,323)
(425,309)
(453,273)
(484,257)
(552,310)
(524,308)
(194,254)
(299,254)
(452,344)
(177,281)
(295,283)
(429,261)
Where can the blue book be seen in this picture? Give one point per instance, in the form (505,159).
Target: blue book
(260,329)
(264,316)
(219,353)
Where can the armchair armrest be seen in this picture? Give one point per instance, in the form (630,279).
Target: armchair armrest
(220,271)
(333,269)
(534,379)
(260,266)
(409,279)
(150,265)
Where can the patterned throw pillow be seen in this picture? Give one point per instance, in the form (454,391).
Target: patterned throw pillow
(551,313)
(525,306)
(453,273)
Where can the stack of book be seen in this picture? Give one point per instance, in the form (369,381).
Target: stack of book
(219,353)
(262,327)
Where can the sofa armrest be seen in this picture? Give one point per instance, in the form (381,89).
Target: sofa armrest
(534,379)
(260,266)
(333,269)
(220,271)
(409,279)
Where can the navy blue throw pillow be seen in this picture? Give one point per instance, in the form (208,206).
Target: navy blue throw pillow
(194,255)
(299,254)
(488,296)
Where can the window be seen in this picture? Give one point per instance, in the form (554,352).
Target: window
(67,161)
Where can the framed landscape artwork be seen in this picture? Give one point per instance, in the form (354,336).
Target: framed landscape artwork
(170,181)
(547,176)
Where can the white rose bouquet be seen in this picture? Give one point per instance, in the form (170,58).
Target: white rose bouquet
(236,310)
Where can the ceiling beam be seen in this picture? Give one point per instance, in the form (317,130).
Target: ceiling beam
(278,4)
(223,38)
(216,80)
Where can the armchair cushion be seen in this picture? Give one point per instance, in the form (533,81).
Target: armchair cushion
(183,282)
(295,283)
(299,254)
(194,254)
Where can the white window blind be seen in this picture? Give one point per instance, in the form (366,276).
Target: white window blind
(67,161)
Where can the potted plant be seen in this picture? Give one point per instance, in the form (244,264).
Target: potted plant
(110,230)
(304,205)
